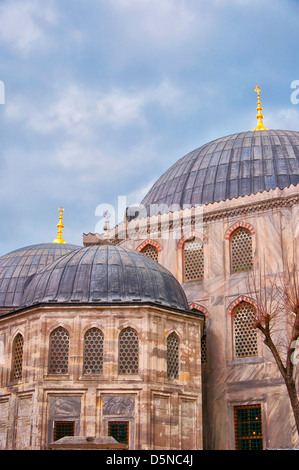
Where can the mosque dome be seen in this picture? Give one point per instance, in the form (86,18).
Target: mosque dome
(105,274)
(232,166)
(18,266)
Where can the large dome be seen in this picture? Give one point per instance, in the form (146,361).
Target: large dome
(17,266)
(105,274)
(229,167)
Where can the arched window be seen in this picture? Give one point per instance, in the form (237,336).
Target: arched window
(245,335)
(193,260)
(150,251)
(241,250)
(128,352)
(17,360)
(59,351)
(93,351)
(173,356)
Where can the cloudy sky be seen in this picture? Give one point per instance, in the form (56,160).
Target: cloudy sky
(102,96)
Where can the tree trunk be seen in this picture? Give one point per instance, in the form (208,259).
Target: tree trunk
(291,387)
(286,372)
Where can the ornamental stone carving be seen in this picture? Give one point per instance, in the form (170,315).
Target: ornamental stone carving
(64,407)
(119,406)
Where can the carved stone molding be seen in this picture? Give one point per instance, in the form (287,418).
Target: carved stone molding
(235,210)
(62,407)
(118,405)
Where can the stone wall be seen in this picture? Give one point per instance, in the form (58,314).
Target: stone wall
(161,411)
(272,218)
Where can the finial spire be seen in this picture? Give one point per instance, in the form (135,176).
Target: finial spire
(60,226)
(260,125)
(107,216)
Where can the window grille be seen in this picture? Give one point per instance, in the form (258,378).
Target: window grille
(248,427)
(93,351)
(172,356)
(193,260)
(119,430)
(63,428)
(17,364)
(128,352)
(59,351)
(241,250)
(245,335)
(151,252)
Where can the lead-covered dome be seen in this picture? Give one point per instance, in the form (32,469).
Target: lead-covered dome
(105,274)
(19,265)
(229,167)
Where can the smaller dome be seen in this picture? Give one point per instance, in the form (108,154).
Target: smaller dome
(17,266)
(105,274)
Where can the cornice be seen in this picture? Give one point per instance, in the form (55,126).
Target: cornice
(245,205)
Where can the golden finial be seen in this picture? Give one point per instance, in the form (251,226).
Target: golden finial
(60,226)
(260,125)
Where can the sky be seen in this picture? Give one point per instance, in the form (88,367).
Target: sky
(100,97)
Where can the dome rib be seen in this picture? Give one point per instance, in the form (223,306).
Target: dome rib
(18,268)
(236,165)
(115,274)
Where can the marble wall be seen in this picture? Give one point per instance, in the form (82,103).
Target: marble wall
(272,218)
(154,405)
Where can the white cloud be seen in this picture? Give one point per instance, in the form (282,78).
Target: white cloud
(75,111)
(24,24)
(161,20)
(284,118)
(75,156)
(79,111)
(118,108)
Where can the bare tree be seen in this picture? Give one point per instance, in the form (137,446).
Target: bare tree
(277,317)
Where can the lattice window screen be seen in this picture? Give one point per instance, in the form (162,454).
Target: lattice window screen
(59,351)
(119,430)
(128,352)
(93,351)
(63,429)
(172,356)
(151,252)
(17,357)
(193,260)
(248,427)
(245,335)
(241,250)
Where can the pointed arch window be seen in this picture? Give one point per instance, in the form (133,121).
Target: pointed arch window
(173,356)
(241,250)
(193,260)
(128,352)
(151,252)
(93,351)
(244,333)
(59,351)
(17,361)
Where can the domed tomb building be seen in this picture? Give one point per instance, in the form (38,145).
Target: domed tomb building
(224,211)
(100,342)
